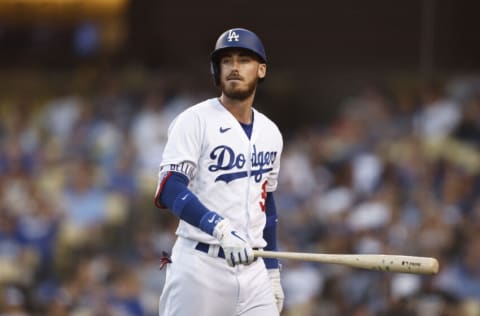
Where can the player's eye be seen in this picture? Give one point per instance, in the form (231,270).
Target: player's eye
(244,59)
(226,60)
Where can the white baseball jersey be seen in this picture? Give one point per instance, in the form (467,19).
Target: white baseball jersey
(231,173)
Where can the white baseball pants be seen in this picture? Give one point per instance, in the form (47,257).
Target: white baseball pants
(202,284)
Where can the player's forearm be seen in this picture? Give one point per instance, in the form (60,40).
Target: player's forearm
(270,230)
(175,195)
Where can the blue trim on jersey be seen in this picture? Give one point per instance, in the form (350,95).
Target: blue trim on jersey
(185,204)
(270,231)
(248,127)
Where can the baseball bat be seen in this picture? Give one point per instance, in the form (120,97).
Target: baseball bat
(379,262)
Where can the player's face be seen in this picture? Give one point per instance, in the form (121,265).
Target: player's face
(239,73)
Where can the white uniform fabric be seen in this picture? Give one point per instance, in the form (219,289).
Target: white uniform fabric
(231,171)
(202,285)
(231,177)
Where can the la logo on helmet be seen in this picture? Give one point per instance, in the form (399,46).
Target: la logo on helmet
(232,36)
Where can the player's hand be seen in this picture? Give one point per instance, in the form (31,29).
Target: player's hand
(236,248)
(274,275)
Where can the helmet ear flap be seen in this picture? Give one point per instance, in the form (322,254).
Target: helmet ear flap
(215,71)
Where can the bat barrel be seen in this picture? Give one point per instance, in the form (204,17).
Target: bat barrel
(379,262)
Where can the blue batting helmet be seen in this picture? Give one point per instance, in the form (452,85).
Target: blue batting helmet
(235,38)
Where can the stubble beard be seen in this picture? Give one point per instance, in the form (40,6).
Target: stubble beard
(234,92)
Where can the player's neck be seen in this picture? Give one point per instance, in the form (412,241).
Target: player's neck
(240,109)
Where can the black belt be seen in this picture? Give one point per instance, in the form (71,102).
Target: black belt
(205,247)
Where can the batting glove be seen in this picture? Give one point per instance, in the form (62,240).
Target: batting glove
(274,275)
(235,246)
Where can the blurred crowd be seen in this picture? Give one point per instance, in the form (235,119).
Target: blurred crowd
(395,171)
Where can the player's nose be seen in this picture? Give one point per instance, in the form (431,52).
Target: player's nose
(235,65)
(236,61)
(234,74)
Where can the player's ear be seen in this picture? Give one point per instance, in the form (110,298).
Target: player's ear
(262,71)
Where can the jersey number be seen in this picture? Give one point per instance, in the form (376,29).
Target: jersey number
(264,197)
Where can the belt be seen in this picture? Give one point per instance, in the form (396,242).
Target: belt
(205,248)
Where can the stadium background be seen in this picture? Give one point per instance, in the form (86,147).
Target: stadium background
(379,104)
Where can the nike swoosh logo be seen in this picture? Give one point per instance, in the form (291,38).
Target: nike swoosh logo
(211,219)
(234,233)
(183,198)
(223,130)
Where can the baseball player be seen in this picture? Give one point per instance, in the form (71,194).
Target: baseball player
(218,171)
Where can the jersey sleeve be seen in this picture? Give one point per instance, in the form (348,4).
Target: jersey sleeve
(272,179)
(184,140)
